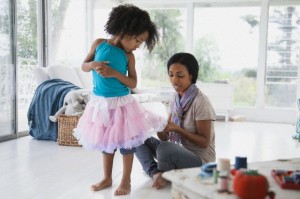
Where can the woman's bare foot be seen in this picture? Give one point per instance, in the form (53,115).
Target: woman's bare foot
(124,188)
(101,185)
(158,181)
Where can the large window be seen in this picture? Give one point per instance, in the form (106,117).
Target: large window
(17,64)
(7,105)
(225,36)
(282,56)
(152,67)
(234,41)
(100,17)
(27,57)
(67,32)
(226,46)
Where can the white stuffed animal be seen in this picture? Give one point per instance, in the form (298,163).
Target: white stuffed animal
(74,104)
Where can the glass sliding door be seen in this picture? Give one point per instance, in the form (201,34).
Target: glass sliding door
(283,56)
(171,25)
(27,57)
(67,32)
(226,44)
(7,72)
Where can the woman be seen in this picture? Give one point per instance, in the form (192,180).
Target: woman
(189,138)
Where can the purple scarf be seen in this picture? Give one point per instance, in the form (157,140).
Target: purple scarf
(180,106)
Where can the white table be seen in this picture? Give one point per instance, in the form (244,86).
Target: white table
(187,184)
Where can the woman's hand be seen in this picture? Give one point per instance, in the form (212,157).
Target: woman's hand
(200,138)
(171,127)
(163,136)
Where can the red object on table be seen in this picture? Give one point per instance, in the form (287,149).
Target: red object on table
(279,179)
(251,185)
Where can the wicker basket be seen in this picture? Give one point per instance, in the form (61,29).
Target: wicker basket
(66,124)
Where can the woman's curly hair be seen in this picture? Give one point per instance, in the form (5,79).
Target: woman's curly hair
(130,20)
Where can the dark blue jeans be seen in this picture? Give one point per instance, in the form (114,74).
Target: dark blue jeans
(159,156)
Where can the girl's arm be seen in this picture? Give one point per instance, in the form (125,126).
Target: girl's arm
(202,136)
(130,80)
(88,63)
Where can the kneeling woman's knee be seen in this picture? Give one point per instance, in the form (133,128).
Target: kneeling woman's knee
(165,150)
(166,154)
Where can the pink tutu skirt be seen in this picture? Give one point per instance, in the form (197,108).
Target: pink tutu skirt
(116,122)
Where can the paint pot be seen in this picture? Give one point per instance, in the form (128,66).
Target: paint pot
(215,175)
(223,164)
(223,181)
(240,163)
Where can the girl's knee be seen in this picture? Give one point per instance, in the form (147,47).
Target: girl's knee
(127,151)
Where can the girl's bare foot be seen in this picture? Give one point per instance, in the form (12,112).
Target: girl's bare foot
(158,181)
(124,188)
(101,185)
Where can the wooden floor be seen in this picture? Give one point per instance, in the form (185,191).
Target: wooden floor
(44,170)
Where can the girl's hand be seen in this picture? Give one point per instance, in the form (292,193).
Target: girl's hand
(103,69)
(96,65)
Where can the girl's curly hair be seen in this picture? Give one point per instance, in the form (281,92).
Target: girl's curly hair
(130,20)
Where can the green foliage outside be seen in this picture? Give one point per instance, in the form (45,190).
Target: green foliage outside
(154,72)
(244,90)
(4,19)
(27,30)
(27,37)
(206,53)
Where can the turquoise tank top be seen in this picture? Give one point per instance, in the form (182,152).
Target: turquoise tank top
(110,86)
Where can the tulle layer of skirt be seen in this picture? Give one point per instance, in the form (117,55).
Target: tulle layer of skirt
(117,122)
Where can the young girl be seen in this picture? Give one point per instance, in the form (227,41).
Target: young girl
(113,119)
